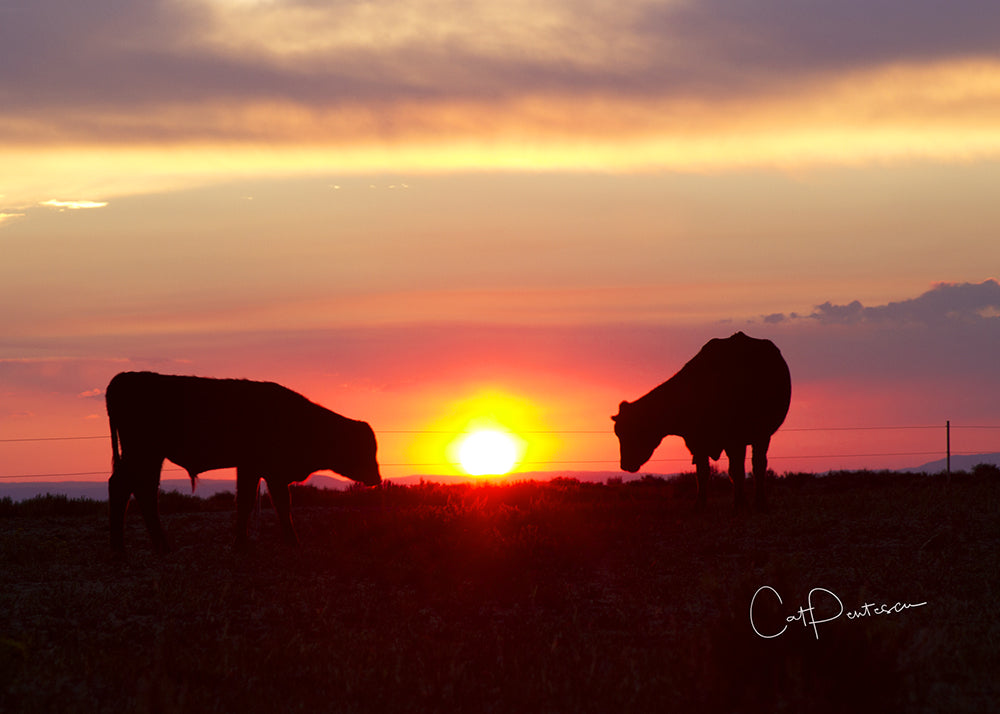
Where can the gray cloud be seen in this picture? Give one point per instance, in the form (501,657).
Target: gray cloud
(947,335)
(944,303)
(136,53)
(792,36)
(113,52)
(828,313)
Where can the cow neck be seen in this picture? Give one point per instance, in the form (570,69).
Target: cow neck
(662,406)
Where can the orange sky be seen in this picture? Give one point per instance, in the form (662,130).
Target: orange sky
(397,208)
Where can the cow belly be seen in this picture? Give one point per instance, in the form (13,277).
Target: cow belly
(198,457)
(198,453)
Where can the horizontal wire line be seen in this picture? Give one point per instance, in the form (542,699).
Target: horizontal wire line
(78,473)
(539,463)
(54,438)
(555,432)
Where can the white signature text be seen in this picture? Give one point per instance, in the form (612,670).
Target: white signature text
(821,606)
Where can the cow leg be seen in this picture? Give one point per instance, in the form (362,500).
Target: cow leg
(147,490)
(737,455)
(247,483)
(119,492)
(701,472)
(760,473)
(281,500)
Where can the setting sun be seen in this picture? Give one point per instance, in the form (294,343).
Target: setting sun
(488,452)
(482,432)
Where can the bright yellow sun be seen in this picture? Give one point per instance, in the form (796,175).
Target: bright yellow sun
(488,452)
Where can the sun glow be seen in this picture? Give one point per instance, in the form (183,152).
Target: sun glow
(483,432)
(488,452)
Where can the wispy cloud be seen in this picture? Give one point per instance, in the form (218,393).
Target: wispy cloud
(72,205)
(7,217)
(548,83)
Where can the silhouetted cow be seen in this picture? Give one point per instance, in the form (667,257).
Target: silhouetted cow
(263,429)
(734,393)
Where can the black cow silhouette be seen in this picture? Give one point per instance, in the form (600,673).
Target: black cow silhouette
(263,429)
(734,393)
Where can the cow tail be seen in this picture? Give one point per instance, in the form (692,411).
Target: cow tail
(116,456)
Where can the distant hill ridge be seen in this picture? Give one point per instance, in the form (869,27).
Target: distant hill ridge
(964,462)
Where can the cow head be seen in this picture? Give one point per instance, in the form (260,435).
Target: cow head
(357,460)
(636,437)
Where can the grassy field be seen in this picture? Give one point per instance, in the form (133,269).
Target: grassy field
(558,596)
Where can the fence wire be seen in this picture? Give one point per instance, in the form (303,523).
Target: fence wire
(557,462)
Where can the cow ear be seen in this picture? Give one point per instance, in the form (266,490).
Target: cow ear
(621,410)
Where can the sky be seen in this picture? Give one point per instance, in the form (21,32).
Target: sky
(436,215)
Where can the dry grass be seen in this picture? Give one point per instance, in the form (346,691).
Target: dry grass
(528,597)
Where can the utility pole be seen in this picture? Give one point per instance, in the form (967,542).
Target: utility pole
(947,438)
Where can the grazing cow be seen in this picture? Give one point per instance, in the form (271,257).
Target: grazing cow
(734,393)
(263,429)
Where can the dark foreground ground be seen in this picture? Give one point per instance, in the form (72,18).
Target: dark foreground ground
(561,597)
